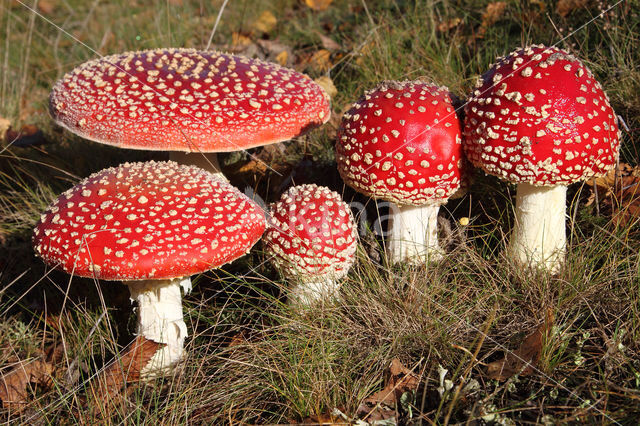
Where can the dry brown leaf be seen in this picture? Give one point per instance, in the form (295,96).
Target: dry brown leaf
(565,7)
(618,193)
(321,60)
(265,23)
(327,84)
(14,386)
(125,369)
(324,419)
(448,25)
(327,42)
(522,361)
(318,5)
(493,13)
(46,7)
(383,404)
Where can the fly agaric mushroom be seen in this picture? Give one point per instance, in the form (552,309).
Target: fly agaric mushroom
(187,101)
(538,118)
(151,225)
(311,238)
(401,142)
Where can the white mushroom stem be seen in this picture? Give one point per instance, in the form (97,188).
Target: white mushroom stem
(412,235)
(160,319)
(308,292)
(539,236)
(205,160)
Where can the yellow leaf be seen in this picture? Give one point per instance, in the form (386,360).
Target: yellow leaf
(327,84)
(265,23)
(318,5)
(239,40)
(282,58)
(321,60)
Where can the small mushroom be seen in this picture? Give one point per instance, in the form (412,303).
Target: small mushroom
(151,225)
(187,101)
(539,118)
(401,142)
(311,238)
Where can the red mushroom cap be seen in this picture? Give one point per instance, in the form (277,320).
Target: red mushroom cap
(311,234)
(539,116)
(186,100)
(401,142)
(153,220)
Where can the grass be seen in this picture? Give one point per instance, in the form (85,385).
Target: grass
(251,358)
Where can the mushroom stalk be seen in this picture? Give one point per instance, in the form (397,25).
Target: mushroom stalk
(160,319)
(308,292)
(413,233)
(205,160)
(539,236)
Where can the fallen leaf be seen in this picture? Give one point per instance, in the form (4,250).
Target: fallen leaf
(448,25)
(15,385)
(523,360)
(618,193)
(125,369)
(265,23)
(239,40)
(323,419)
(565,7)
(387,403)
(282,58)
(274,50)
(327,42)
(46,7)
(318,5)
(321,60)
(327,84)
(491,15)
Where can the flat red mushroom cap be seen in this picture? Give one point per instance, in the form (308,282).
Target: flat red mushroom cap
(401,142)
(538,116)
(311,234)
(153,220)
(186,100)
